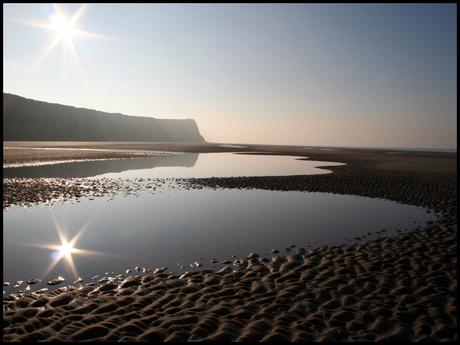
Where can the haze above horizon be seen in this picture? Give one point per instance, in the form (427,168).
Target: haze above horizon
(296,74)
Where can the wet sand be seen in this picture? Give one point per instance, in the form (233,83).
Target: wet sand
(391,289)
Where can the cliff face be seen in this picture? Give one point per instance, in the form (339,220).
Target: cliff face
(29,120)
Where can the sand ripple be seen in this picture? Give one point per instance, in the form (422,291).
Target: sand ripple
(374,292)
(395,289)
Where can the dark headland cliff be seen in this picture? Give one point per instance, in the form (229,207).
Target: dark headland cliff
(29,120)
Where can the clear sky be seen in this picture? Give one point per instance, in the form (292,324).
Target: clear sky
(294,74)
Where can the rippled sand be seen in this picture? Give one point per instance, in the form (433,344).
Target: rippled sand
(394,289)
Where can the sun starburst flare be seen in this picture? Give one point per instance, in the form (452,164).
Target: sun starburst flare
(66,249)
(65,31)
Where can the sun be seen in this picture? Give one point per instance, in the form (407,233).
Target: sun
(64,29)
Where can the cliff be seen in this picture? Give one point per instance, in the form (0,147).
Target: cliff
(29,120)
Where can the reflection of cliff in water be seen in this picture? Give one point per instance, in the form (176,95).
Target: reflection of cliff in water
(94,168)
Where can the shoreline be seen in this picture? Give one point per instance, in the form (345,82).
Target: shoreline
(395,289)
(382,159)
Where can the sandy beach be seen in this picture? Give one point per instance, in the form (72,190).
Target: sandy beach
(389,289)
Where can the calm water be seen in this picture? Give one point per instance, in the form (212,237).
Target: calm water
(178,165)
(176,225)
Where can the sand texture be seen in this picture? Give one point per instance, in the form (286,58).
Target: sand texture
(390,289)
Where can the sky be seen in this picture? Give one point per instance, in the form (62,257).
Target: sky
(284,74)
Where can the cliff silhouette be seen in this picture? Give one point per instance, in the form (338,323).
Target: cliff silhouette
(29,120)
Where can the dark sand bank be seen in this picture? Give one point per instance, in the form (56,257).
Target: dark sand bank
(394,289)
(14,152)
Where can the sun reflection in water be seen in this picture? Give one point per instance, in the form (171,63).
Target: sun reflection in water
(67,248)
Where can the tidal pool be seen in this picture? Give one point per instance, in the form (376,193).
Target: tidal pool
(178,165)
(174,225)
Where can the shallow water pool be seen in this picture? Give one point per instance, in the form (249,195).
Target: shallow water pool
(178,165)
(175,226)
